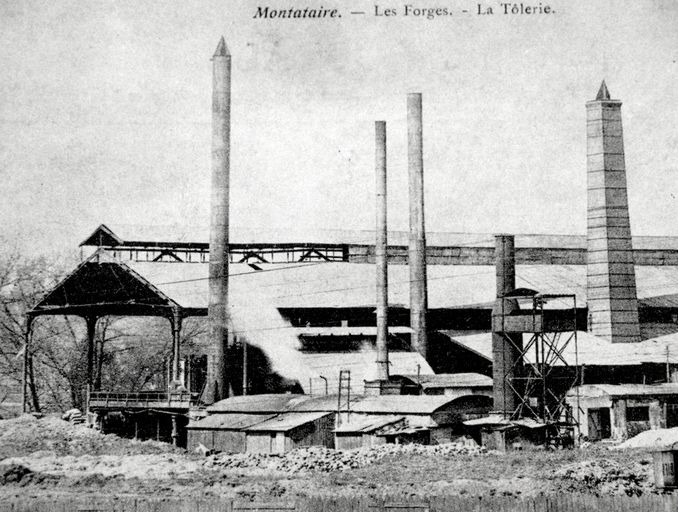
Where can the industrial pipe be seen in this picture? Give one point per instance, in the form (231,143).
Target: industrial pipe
(417,236)
(380,252)
(218,316)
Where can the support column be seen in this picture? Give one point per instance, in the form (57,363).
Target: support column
(417,237)
(27,351)
(99,361)
(245,384)
(91,322)
(175,430)
(381,255)
(175,322)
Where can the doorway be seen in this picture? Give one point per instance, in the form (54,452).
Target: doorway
(599,424)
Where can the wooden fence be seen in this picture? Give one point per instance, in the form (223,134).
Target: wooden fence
(559,503)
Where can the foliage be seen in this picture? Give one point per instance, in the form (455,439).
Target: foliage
(130,353)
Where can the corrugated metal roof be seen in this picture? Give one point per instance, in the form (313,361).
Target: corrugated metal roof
(452,380)
(378,404)
(499,420)
(267,403)
(287,421)
(320,285)
(621,390)
(353,284)
(228,421)
(594,351)
(200,234)
(401,404)
(367,423)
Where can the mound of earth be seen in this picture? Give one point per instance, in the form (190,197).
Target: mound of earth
(659,438)
(604,477)
(27,434)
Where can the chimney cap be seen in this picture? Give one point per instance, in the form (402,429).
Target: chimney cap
(603,93)
(222,49)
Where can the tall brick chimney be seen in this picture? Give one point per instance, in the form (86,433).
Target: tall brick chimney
(611,278)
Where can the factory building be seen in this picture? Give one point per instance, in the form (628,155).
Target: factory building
(385,311)
(280,422)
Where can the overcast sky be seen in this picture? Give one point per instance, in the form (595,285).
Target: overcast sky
(105,114)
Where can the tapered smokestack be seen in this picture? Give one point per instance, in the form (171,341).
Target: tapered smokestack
(506,348)
(611,279)
(218,266)
(417,242)
(381,252)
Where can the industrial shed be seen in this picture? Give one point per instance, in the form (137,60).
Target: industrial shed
(495,432)
(441,415)
(364,432)
(303,420)
(618,412)
(222,432)
(290,430)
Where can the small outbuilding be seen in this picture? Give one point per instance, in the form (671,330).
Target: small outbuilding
(365,431)
(618,412)
(222,432)
(290,430)
(664,466)
(495,432)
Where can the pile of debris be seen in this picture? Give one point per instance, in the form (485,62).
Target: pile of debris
(651,439)
(147,466)
(27,434)
(321,459)
(605,477)
(74,416)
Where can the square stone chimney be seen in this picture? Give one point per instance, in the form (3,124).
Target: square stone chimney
(611,278)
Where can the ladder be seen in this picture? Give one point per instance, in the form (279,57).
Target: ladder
(344,396)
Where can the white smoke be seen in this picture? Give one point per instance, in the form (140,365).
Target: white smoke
(256,320)
(368,355)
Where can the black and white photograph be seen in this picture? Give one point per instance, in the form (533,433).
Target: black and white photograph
(339,255)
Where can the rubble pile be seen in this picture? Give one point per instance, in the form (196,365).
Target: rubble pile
(651,439)
(27,434)
(604,477)
(324,459)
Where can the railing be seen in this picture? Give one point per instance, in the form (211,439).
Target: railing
(144,399)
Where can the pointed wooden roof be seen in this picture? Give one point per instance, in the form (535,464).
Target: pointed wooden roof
(103,286)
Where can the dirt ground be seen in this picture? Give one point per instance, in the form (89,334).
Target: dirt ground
(49,456)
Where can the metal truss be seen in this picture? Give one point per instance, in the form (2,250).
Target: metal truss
(239,253)
(539,388)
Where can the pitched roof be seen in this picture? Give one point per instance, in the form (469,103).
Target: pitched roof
(367,423)
(228,421)
(401,404)
(343,285)
(353,284)
(379,404)
(287,421)
(451,380)
(266,403)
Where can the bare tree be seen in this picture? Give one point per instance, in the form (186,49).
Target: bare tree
(130,354)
